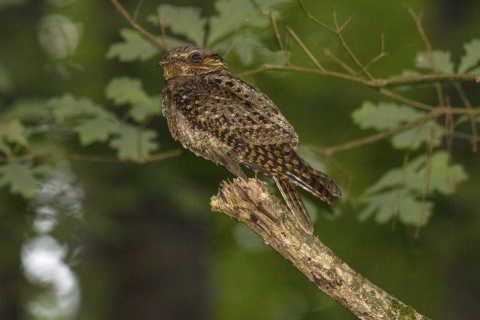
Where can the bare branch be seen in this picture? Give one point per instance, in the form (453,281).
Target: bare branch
(90,158)
(428,46)
(329,151)
(345,46)
(428,174)
(136,26)
(380,55)
(473,123)
(162,30)
(137,10)
(408,101)
(309,54)
(374,83)
(279,37)
(449,129)
(309,16)
(251,203)
(342,64)
(344,24)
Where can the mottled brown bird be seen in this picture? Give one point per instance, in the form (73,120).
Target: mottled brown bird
(230,122)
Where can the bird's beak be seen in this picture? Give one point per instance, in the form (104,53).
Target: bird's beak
(161,63)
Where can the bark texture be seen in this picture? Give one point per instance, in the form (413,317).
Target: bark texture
(251,203)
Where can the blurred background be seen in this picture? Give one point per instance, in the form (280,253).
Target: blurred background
(115,240)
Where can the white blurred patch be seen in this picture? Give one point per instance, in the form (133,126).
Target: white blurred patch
(58,204)
(42,260)
(58,36)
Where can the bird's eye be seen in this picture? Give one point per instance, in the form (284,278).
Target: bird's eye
(196,58)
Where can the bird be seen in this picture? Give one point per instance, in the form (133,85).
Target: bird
(229,121)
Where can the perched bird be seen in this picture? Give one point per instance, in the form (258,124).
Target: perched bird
(230,122)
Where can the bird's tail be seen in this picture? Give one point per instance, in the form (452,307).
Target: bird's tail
(284,165)
(313,181)
(295,203)
(288,164)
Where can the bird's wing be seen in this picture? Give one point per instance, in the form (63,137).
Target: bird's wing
(233,109)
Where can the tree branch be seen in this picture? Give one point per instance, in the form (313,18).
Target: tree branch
(90,158)
(147,35)
(251,203)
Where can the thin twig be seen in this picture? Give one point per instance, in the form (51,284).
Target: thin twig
(405,100)
(380,55)
(428,175)
(428,46)
(309,54)
(92,158)
(136,26)
(342,64)
(329,151)
(279,37)
(347,47)
(404,175)
(309,16)
(162,29)
(375,83)
(449,129)
(473,123)
(137,10)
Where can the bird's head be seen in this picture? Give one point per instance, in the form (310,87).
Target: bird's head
(191,60)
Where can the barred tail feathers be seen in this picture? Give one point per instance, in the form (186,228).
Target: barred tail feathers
(284,165)
(294,202)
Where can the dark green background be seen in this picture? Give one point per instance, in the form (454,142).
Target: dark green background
(150,246)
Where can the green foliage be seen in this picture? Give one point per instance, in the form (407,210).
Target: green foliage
(470,61)
(12,132)
(385,115)
(388,115)
(22,177)
(242,28)
(236,28)
(235,16)
(68,108)
(134,47)
(27,111)
(96,129)
(91,121)
(184,21)
(441,60)
(133,142)
(111,114)
(399,191)
(6,84)
(125,90)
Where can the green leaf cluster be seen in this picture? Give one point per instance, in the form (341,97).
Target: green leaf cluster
(390,116)
(442,60)
(12,134)
(22,178)
(134,47)
(235,28)
(404,192)
(124,90)
(400,192)
(92,123)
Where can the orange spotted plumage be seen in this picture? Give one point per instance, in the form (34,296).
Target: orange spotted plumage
(230,122)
